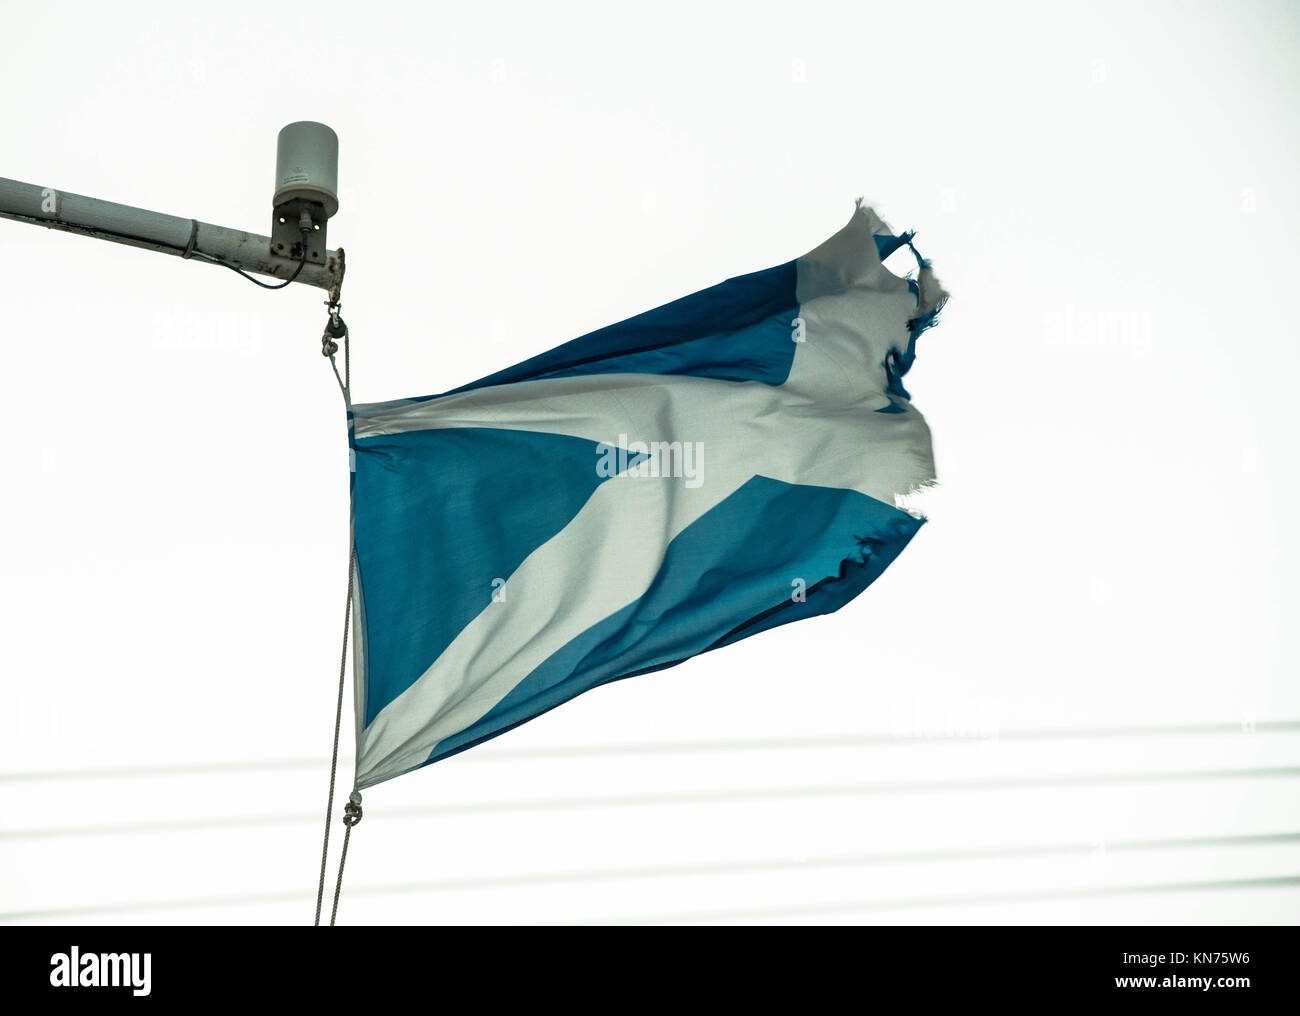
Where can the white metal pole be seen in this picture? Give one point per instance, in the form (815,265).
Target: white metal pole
(167,234)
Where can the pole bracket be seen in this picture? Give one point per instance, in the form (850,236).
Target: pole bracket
(287,239)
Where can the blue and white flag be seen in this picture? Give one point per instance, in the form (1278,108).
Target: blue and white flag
(729,462)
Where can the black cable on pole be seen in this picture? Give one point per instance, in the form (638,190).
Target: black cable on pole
(302,261)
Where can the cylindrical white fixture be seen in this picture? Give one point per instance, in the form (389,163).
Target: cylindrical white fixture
(307,165)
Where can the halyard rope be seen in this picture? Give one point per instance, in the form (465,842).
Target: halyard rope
(334,330)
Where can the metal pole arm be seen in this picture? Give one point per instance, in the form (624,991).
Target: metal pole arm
(167,234)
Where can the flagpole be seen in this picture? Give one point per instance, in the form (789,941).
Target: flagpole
(165,234)
(305,198)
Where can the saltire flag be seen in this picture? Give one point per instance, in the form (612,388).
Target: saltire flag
(707,470)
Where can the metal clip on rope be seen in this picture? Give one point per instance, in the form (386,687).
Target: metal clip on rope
(335,329)
(352,810)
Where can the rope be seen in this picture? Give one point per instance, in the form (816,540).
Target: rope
(351,816)
(334,760)
(334,330)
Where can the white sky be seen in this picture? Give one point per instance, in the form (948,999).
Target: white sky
(1108,192)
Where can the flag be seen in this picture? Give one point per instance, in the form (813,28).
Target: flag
(707,470)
